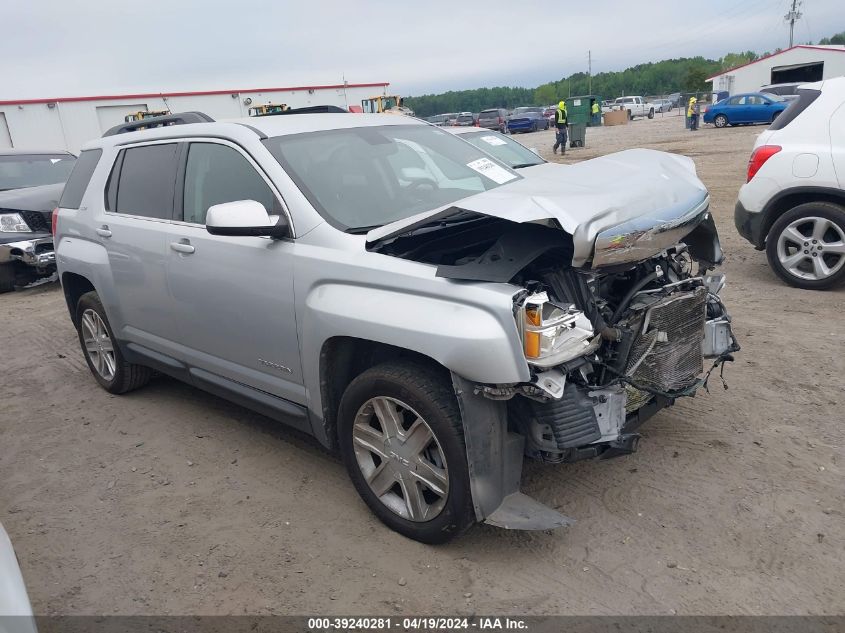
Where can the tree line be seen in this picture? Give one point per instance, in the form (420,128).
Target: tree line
(685,74)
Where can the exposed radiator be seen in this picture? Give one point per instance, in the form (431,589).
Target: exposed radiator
(667,355)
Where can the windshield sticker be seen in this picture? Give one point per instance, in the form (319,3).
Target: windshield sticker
(494,140)
(491,170)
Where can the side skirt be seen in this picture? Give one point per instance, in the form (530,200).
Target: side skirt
(273,407)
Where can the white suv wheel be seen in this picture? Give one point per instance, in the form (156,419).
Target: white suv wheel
(806,246)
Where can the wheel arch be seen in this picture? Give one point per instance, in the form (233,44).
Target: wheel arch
(791,198)
(74,286)
(343,358)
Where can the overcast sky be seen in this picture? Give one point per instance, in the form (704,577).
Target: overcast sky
(59,48)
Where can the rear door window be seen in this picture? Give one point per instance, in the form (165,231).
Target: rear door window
(143,181)
(216,174)
(79,178)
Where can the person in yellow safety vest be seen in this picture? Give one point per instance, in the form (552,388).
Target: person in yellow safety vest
(561,120)
(692,113)
(595,110)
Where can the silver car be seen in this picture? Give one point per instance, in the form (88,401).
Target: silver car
(410,301)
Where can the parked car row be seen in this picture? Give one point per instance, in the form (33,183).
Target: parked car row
(522,119)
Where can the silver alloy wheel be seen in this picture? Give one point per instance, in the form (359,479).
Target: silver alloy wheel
(812,248)
(98,344)
(401,459)
(720,121)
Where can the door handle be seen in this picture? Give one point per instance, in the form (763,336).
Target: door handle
(182,247)
(104,231)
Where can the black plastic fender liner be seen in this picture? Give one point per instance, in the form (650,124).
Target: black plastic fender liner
(494,457)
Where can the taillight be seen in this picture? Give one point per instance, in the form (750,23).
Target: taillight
(759,157)
(54,220)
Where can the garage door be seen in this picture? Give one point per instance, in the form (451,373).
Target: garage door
(5,137)
(109,116)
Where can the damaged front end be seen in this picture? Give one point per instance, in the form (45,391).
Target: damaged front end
(610,338)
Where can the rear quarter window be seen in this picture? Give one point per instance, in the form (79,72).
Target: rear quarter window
(79,178)
(795,108)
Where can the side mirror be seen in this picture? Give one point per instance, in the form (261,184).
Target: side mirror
(244,218)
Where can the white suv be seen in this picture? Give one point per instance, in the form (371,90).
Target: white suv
(793,203)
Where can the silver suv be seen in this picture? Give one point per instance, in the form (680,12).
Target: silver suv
(397,293)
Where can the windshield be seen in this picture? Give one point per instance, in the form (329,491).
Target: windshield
(33,170)
(362,178)
(501,147)
(489,114)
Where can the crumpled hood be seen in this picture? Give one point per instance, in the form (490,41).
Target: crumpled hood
(586,198)
(41,198)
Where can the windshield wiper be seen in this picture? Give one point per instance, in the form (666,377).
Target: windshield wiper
(521,165)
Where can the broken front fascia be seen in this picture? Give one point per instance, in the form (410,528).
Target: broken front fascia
(646,187)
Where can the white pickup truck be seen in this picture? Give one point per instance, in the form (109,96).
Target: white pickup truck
(636,106)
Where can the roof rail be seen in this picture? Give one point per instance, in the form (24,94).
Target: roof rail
(317,109)
(180,118)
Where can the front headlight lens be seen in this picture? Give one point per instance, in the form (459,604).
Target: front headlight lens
(553,334)
(13,223)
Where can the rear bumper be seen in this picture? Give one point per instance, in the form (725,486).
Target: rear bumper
(750,225)
(36,250)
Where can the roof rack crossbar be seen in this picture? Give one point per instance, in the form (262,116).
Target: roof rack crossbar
(179,118)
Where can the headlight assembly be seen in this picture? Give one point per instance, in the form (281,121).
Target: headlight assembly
(553,333)
(13,223)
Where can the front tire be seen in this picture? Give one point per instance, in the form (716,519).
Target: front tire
(720,121)
(401,438)
(7,277)
(101,351)
(806,246)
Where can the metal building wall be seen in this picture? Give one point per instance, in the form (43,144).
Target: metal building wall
(69,123)
(751,77)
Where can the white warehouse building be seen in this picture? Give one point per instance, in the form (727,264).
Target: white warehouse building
(802,63)
(69,122)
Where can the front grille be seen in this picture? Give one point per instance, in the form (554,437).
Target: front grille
(667,355)
(37,221)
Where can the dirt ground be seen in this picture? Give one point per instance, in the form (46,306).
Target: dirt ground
(171,501)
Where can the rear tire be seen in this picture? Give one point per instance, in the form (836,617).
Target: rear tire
(385,466)
(806,246)
(651,113)
(720,121)
(101,351)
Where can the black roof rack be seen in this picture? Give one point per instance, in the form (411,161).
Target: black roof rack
(180,118)
(317,109)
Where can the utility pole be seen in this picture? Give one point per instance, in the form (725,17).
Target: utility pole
(792,17)
(590,72)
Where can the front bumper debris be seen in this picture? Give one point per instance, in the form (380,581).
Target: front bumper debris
(36,251)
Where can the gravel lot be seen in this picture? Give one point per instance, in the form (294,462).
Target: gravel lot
(172,501)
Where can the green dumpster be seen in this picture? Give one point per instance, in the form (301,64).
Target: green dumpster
(580,110)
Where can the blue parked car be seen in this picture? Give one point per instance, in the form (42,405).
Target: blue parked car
(527,119)
(753,107)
